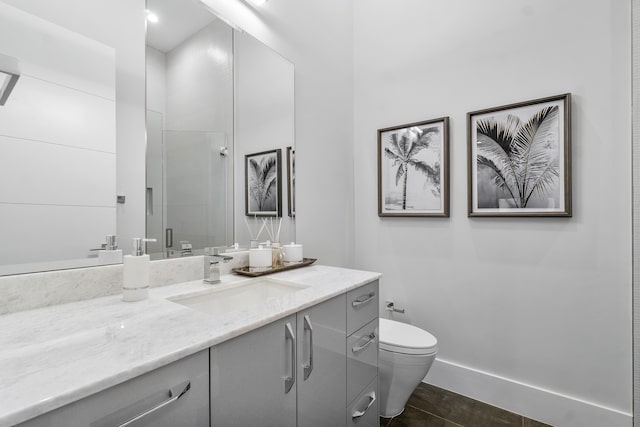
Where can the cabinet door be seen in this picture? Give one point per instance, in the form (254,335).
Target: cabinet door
(174,395)
(322,364)
(253,378)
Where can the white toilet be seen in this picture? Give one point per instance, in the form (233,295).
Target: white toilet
(406,354)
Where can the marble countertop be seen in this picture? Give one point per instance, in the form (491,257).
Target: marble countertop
(53,356)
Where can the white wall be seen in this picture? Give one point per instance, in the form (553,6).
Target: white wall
(156,80)
(58,143)
(119,24)
(200,81)
(531,314)
(317,38)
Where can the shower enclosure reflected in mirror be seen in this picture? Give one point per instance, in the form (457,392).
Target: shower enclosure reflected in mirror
(189,125)
(214,94)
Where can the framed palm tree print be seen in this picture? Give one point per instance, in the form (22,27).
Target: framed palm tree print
(519,160)
(413,169)
(263,189)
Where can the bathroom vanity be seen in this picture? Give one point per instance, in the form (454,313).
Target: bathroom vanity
(317,350)
(306,357)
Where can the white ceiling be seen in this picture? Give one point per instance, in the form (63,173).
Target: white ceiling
(177,20)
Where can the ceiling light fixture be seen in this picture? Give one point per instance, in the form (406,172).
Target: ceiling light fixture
(9,75)
(151,17)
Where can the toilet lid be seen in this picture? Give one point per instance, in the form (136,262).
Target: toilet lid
(407,339)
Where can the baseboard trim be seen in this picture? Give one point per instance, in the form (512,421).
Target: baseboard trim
(524,399)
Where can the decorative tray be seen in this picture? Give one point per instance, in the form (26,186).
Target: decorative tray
(246,271)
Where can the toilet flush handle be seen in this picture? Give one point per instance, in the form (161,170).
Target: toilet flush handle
(391,307)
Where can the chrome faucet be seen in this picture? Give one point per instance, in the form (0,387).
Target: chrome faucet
(186,248)
(212,275)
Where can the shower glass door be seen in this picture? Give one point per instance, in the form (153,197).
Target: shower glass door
(187,197)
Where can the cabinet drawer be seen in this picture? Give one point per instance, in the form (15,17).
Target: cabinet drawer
(363,412)
(362,359)
(153,397)
(362,306)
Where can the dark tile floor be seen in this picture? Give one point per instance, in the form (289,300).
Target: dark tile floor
(430,406)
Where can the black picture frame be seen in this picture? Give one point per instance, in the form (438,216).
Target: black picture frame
(263,187)
(291,181)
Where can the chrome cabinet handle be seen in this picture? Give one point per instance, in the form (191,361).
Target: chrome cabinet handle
(175,393)
(168,237)
(372,338)
(363,299)
(149,201)
(308,367)
(358,414)
(291,379)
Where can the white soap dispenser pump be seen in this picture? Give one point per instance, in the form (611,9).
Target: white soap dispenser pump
(135,273)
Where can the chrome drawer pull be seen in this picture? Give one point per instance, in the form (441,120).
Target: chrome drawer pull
(290,380)
(358,414)
(173,394)
(363,299)
(372,338)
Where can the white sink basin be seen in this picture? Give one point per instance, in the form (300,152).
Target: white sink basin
(237,297)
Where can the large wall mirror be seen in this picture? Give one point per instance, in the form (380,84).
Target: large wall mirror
(57,145)
(214,96)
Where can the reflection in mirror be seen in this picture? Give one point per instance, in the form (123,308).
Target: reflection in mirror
(189,128)
(264,122)
(214,94)
(57,147)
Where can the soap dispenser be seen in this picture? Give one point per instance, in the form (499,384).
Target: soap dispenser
(135,273)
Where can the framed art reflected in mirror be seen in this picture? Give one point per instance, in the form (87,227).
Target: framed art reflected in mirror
(263,189)
(291,181)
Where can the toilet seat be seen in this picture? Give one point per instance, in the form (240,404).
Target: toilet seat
(402,338)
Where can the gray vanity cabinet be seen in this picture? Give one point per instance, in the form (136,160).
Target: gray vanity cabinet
(174,395)
(285,374)
(318,367)
(253,378)
(321,364)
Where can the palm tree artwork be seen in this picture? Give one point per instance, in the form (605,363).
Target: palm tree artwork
(263,186)
(413,154)
(518,159)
